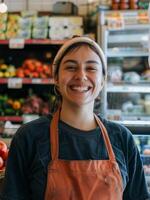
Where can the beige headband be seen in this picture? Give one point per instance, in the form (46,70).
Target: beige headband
(73,41)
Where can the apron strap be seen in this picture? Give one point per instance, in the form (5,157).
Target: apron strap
(108,145)
(54,137)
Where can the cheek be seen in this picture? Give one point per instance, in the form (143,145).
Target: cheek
(98,79)
(62,82)
(99,82)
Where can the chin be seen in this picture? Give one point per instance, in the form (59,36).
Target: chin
(81,103)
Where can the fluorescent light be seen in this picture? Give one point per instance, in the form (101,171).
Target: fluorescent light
(3,7)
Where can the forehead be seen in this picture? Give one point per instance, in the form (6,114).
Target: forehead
(82,50)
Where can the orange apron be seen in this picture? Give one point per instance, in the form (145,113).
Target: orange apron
(82,179)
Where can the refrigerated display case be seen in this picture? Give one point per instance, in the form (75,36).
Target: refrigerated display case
(124,37)
(143,143)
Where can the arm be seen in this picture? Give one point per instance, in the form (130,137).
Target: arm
(136,187)
(135,183)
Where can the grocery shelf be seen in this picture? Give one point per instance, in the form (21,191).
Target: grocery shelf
(126,39)
(131,18)
(37,41)
(137,127)
(135,123)
(43,81)
(11,118)
(144,88)
(137,26)
(116,52)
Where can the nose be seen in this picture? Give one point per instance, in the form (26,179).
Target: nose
(81,75)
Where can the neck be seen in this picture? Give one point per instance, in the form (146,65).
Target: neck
(81,117)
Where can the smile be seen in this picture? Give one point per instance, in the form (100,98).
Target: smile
(80,88)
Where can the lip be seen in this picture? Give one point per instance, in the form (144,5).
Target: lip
(80,88)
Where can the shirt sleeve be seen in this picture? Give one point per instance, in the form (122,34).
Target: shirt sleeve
(15,185)
(136,187)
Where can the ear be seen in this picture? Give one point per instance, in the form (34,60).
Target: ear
(56,80)
(56,84)
(57,87)
(102,83)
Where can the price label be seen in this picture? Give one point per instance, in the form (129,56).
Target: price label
(36,81)
(115,24)
(15,83)
(16,43)
(115,21)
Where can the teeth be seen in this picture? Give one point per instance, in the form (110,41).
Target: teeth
(80,89)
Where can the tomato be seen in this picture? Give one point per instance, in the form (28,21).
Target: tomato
(1,162)
(20,73)
(35,74)
(27,72)
(5,155)
(3,149)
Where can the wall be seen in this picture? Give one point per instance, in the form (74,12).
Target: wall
(47,5)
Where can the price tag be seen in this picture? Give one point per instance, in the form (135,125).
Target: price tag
(36,81)
(15,83)
(115,21)
(16,43)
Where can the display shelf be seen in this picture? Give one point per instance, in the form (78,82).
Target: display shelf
(29,80)
(148,180)
(37,41)
(138,127)
(128,17)
(11,118)
(126,39)
(116,52)
(123,36)
(124,88)
(134,123)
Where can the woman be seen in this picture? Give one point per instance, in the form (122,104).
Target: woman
(75,154)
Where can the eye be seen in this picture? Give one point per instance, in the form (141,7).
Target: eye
(70,67)
(91,68)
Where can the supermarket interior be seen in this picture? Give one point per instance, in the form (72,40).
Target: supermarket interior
(31,33)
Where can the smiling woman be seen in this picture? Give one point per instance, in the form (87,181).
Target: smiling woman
(75,154)
(80,78)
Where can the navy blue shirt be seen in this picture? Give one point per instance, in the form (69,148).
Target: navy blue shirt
(26,172)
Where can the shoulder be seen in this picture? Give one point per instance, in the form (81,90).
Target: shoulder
(115,127)
(119,134)
(34,130)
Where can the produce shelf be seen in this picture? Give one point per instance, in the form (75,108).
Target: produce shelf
(122,88)
(29,80)
(11,118)
(37,41)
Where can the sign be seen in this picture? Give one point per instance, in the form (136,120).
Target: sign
(36,81)
(15,83)
(115,21)
(16,43)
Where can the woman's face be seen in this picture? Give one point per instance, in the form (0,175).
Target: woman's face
(80,76)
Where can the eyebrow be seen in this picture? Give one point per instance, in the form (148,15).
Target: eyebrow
(88,61)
